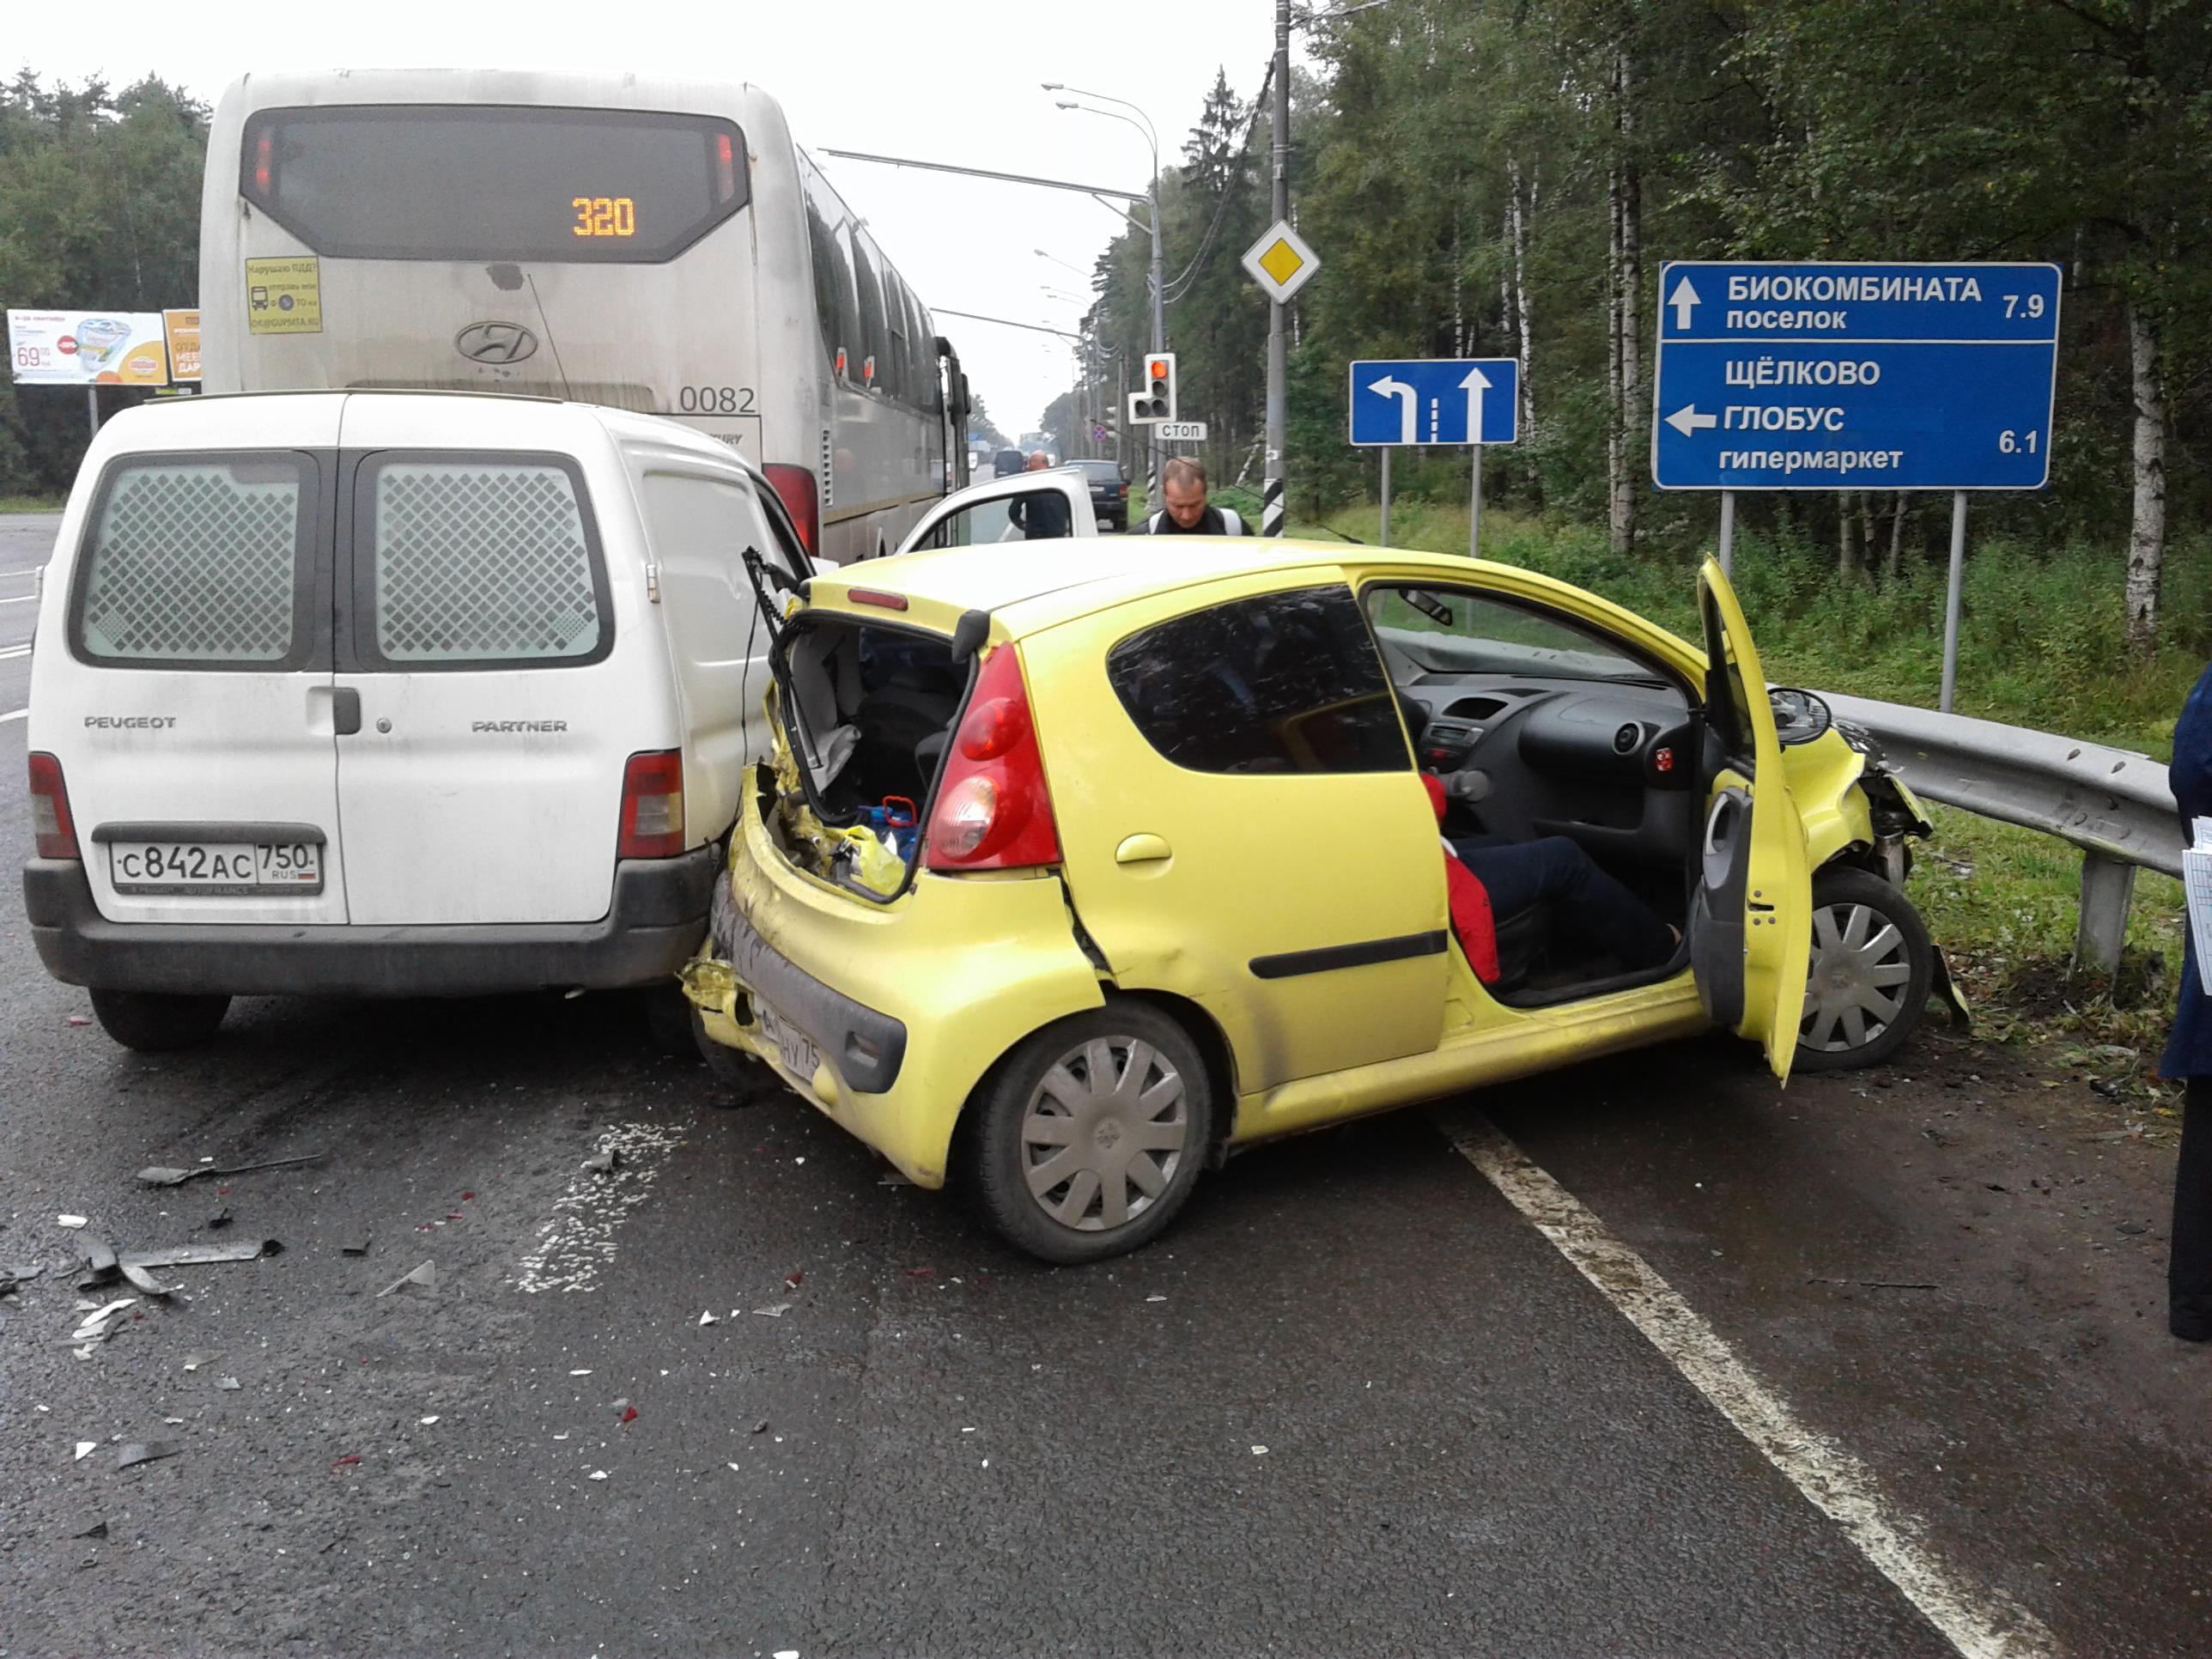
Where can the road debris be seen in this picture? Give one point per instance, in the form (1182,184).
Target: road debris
(227,1384)
(602,1162)
(707,1318)
(200,1255)
(793,1279)
(78,1020)
(355,1247)
(774,1310)
(760,1427)
(220,1218)
(84,1449)
(91,1527)
(428,1420)
(1259,1451)
(346,1462)
(194,1361)
(99,1324)
(70,1220)
(426,1276)
(144,1281)
(151,1451)
(2132,1228)
(921,1272)
(599,1475)
(892,1178)
(629,1415)
(159,1175)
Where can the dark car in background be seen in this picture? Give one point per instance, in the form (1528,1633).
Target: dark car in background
(1109,491)
(1007,461)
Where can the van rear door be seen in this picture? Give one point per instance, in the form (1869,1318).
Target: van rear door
(189,697)
(499,700)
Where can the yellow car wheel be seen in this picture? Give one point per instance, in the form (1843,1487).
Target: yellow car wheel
(1868,977)
(1088,1138)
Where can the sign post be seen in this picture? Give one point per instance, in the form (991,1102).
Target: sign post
(1856,376)
(1448,401)
(1282,263)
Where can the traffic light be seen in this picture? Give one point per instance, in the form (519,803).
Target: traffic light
(1157,402)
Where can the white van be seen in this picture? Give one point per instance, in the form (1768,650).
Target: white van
(390,693)
(404,693)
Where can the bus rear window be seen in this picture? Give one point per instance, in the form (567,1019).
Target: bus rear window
(437,181)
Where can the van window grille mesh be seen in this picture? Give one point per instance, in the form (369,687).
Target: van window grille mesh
(196,562)
(479,561)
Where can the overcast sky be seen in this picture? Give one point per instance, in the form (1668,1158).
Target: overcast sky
(943,81)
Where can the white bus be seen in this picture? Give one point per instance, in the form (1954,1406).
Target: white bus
(657,245)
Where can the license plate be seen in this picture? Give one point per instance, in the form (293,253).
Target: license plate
(215,866)
(799,1055)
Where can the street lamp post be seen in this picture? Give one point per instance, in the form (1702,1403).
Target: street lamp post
(1143,124)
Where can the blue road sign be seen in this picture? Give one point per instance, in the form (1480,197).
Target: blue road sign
(1435,400)
(1855,376)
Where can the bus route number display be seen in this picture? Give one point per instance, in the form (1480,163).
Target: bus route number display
(603,216)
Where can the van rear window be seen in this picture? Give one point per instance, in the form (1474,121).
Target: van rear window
(443,181)
(477,564)
(197,561)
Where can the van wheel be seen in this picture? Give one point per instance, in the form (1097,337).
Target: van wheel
(151,1021)
(1869,973)
(1088,1138)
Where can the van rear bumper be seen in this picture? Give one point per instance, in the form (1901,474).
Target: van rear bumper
(655,922)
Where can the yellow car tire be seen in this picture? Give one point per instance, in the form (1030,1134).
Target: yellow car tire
(1087,1138)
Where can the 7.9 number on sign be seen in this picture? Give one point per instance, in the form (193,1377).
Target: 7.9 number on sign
(603,216)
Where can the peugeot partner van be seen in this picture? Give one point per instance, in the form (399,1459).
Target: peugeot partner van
(372,693)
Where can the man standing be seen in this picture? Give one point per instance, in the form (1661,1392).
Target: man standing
(1041,517)
(1182,483)
(2188,1057)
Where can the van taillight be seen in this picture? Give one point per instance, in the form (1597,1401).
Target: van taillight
(994,812)
(52,827)
(794,487)
(651,806)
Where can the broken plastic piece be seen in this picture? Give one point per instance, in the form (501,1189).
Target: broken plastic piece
(347,1461)
(921,1272)
(78,1020)
(760,1427)
(191,1255)
(145,1281)
(707,1318)
(194,1361)
(70,1220)
(426,1276)
(599,1475)
(84,1449)
(229,1384)
(355,1247)
(774,1310)
(629,1414)
(158,1175)
(152,1451)
(220,1218)
(91,1527)
(602,1162)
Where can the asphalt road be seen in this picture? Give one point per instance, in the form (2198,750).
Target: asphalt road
(1356,1402)
(24,540)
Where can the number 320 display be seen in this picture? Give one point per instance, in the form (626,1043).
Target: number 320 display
(603,216)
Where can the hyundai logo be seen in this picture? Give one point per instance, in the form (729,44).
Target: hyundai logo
(496,343)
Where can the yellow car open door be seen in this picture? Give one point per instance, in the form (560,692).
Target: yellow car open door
(1751,918)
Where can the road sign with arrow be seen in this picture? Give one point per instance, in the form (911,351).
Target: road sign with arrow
(1435,400)
(1855,376)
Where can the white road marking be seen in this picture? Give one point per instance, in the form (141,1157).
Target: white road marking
(13,650)
(1981,1623)
(27,598)
(578,1242)
(13,715)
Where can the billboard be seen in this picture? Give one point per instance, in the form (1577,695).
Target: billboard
(87,348)
(182,329)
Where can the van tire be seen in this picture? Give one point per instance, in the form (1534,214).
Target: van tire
(999,1152)
(153,1021)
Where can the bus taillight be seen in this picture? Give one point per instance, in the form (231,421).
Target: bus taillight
(794,487)
(264,159)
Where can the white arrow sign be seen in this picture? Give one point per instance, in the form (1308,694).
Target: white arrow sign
(1686,420)
(1409,420)
(1475,385)
(1683,299)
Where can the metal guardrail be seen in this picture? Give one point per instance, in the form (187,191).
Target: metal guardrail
(2113,803)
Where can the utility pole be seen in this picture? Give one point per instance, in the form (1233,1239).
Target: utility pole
(1271,495)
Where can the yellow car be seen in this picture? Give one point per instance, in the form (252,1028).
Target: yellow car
(1077,868)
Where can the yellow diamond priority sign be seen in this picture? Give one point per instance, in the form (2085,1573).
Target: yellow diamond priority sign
(1280,262)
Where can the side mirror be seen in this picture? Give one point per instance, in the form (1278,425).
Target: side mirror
(1799,716)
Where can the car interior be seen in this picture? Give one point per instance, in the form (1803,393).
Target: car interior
(875,708)
(1543,726)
